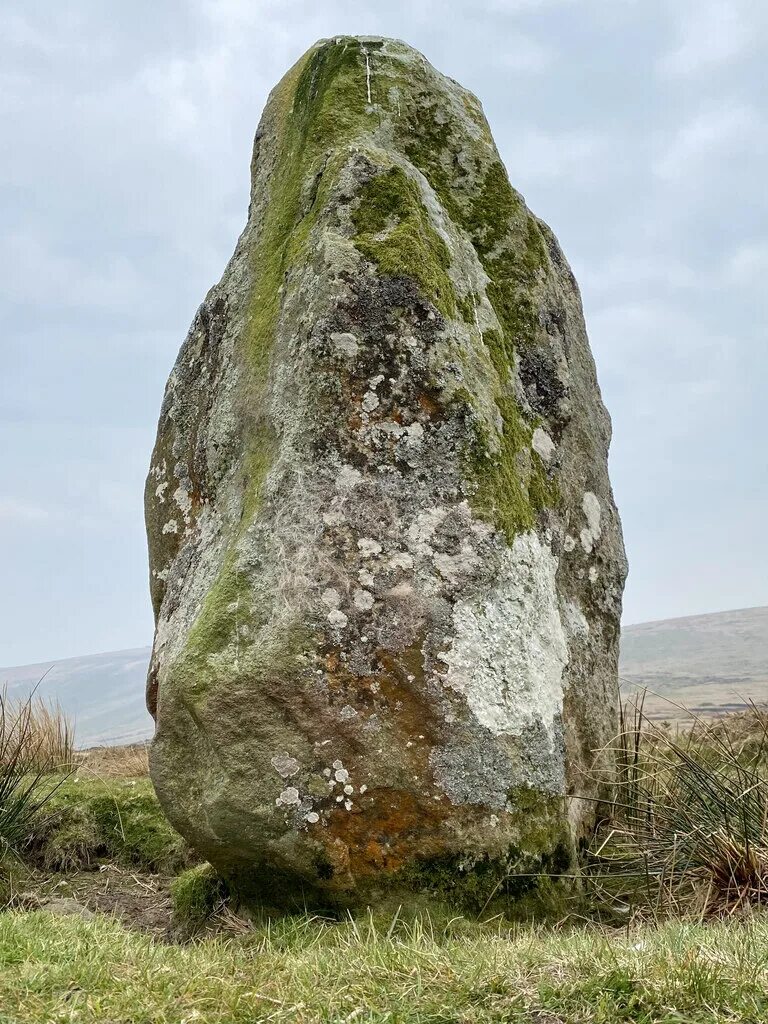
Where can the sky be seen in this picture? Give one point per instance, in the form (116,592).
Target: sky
(635,128)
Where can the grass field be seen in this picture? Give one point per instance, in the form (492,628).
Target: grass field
(63,969)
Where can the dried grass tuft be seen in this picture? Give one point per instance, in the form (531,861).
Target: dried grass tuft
(125,762)
(36,740)
(35,731)
(688,831)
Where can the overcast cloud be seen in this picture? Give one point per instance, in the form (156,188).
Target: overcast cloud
(635,128)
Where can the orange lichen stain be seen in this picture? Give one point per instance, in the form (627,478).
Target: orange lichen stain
(401,686)
(389,831)
(395,688)
(430,406)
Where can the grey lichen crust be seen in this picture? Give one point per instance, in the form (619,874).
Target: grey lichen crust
(386,563)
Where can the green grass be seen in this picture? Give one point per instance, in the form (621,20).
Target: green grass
(89,821)
(64,969)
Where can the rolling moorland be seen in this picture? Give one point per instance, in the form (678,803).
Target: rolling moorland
(709,664)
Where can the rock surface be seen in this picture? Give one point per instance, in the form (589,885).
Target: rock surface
(386,564)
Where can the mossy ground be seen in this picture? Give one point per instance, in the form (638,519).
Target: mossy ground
(92,821)
(196,893)
(428,971)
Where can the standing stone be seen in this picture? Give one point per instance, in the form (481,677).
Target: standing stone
(386,564)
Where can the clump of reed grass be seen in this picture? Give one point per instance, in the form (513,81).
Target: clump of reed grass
(688,832)
(36,740)
(38,731)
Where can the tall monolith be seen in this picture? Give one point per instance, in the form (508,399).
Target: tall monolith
(386,564)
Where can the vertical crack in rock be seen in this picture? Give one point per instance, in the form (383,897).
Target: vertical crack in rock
(385,560)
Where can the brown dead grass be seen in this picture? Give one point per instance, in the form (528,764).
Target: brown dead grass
(126,762)
(689,830)
(35,733)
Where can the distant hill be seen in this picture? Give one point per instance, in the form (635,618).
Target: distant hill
(104,693)
(709,663)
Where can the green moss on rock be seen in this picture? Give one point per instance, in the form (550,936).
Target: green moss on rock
(512,485)
(316,107)
(516,886)
(511,482)
(531,878)
(395,232)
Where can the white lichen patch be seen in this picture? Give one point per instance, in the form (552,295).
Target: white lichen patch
(591,506)
(370,401)
(345,344)
(402,560)
(285,765)
(591,534)
(312,817)
(347,478)
(362,600)
(543,444)
(347,712)
(586,539)
(423,527)
(171,526)
(414,433)
(366,578)
(368,547)
(575,620)
(184,501)
(331,598)
(337,619)
(509,648)
(289,797)
(391,428)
